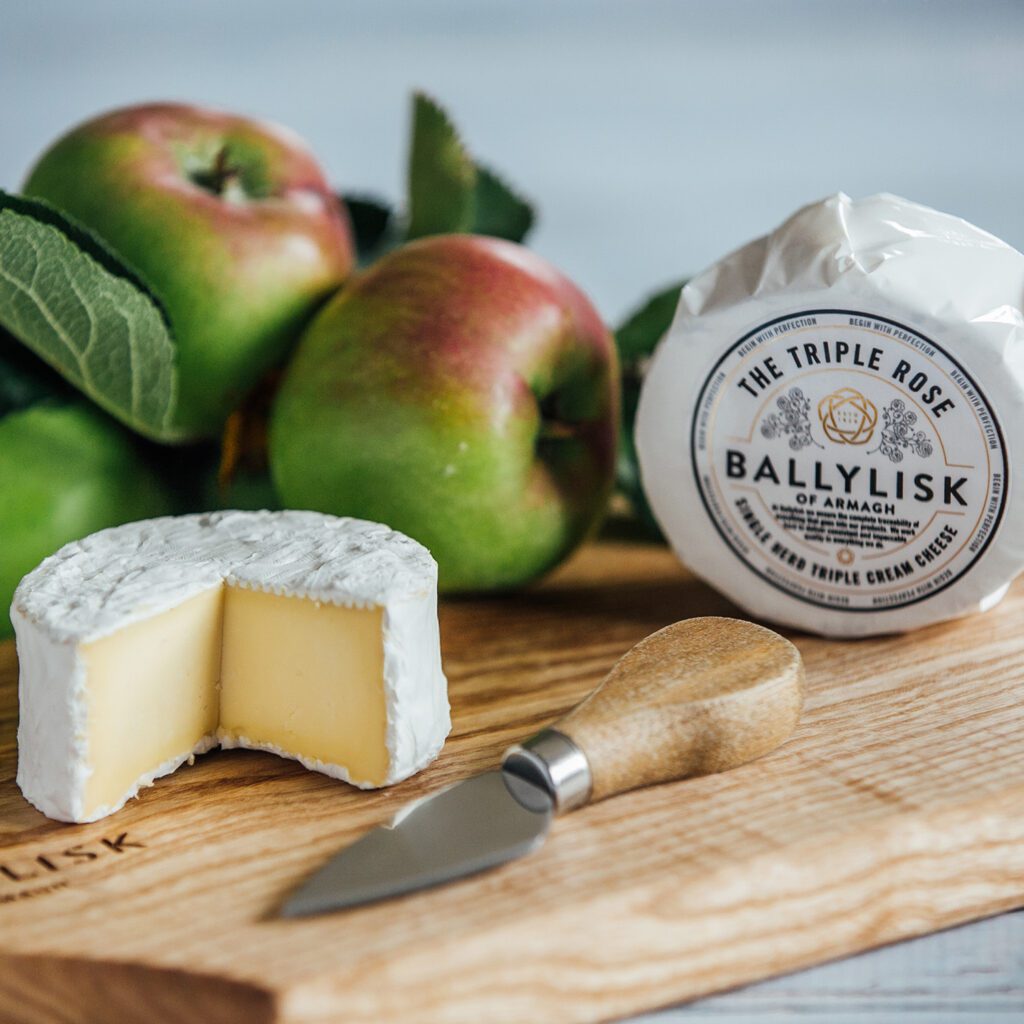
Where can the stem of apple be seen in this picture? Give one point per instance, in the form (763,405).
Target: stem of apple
(219,176)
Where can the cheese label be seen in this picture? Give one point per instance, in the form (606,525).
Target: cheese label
(848,460)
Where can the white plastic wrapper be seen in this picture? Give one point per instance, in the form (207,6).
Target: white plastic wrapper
(830,433)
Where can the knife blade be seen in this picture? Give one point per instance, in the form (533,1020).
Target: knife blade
(703,695)
(469,827)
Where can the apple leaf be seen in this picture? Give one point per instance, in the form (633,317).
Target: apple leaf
(25,380)
(627,467)
(636,339)
(374,226)
(442,176)
(74,303)
(448,191)
(641,331)
(500,210)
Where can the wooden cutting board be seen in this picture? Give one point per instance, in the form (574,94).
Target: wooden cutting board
(897,809)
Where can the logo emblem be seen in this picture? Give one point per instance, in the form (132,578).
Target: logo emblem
(847,417)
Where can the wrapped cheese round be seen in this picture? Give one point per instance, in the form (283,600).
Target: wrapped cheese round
(827,434)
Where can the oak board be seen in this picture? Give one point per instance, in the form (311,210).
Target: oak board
(896,809)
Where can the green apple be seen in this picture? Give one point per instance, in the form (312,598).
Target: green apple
(464,392)
(228,220)
(67,471)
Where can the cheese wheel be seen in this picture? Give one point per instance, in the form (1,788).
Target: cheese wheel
(826,434)
(303,634)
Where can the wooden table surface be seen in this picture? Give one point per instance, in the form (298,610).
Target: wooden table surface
(973,974)
(892,812)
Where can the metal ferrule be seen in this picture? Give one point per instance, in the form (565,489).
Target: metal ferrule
(548,768)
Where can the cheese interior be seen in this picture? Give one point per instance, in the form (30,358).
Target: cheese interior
(152,694)
(290,674)
(305,677)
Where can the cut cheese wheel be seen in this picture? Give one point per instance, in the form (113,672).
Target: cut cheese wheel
(139,647)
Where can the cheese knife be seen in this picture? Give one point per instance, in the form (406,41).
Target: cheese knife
(703,695)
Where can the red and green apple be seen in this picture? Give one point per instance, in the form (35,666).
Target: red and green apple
(228,220)
(463,391)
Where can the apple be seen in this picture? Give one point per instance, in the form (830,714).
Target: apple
(228,220)
(464,392)
(68,471)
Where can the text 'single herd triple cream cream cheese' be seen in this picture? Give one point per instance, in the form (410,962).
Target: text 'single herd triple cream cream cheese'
(828,432)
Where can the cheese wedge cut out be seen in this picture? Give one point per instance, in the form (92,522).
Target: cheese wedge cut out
(303,634)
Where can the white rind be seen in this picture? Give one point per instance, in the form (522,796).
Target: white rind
(412,661)
(92,587)
(96,586)
(882,254)
(52,755)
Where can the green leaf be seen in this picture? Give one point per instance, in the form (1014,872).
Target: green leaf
(627,467)
(638,335)
(25,380)
(636,339)
(442,177)
(76,305)
(374,225)
(449,192)
(500,211)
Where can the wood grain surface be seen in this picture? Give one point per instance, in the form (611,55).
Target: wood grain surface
(894,810)
(972,974)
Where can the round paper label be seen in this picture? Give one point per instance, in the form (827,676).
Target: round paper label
(848,460)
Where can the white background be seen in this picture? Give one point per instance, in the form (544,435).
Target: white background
(654,135)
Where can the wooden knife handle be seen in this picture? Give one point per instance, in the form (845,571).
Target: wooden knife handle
(703,695)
